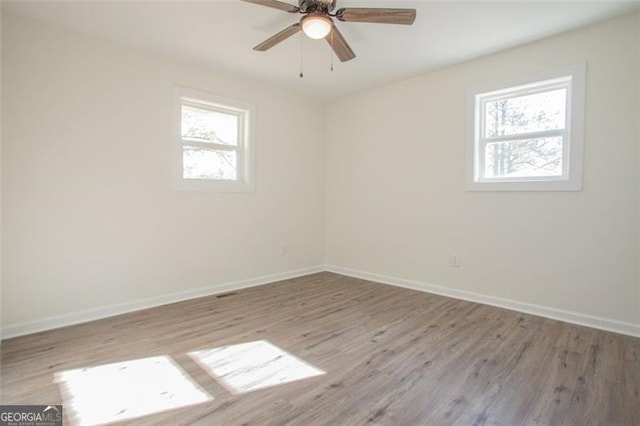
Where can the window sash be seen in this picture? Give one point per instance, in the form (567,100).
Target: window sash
(515,92)
(240,148)
(529,135)
(527,89)
(239,114)
(209,106)
(243,151)
(218,147)
(210,145)
(570,78)
(482,151)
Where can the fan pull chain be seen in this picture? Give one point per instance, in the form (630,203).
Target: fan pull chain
(301,55)
(331,49)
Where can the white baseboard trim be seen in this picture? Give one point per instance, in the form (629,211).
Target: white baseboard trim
(136,305)
(151,302)
(615,326)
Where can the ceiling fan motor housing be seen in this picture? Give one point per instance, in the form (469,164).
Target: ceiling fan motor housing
(322,6)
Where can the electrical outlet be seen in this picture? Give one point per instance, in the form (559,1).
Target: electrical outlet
(454,260)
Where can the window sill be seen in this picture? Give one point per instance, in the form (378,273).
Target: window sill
(196,185)
(565,185)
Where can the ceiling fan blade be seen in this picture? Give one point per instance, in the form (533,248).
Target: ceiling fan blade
(377,15)
(280,37)
(339,45)
(276,5)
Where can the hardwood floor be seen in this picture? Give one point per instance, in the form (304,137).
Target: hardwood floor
(389,356)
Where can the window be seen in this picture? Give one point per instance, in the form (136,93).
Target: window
(527,135)
(213,145)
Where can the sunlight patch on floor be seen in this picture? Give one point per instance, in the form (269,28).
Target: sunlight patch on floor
(255,365)
(127,390)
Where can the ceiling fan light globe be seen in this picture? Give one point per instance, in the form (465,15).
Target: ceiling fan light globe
(316,26)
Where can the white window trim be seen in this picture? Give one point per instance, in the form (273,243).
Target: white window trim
(574,140)
(247,114)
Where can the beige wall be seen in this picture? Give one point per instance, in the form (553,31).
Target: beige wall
(90,218)
(395,177)
(638,130)
(1,175)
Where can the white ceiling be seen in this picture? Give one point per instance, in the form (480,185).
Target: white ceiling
(220,34)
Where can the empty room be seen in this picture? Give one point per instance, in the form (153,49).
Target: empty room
(320,212)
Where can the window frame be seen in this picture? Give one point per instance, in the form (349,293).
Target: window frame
(573,79)
(245,113)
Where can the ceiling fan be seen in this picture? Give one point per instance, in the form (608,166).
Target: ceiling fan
(317,22)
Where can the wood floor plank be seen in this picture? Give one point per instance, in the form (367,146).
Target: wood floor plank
(389,356)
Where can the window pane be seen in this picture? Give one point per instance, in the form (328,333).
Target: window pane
(209,126)
(206,163)
(528,113)
(526,158)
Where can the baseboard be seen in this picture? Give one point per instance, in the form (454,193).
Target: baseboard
(151,302)
(123,308)
(615,326)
